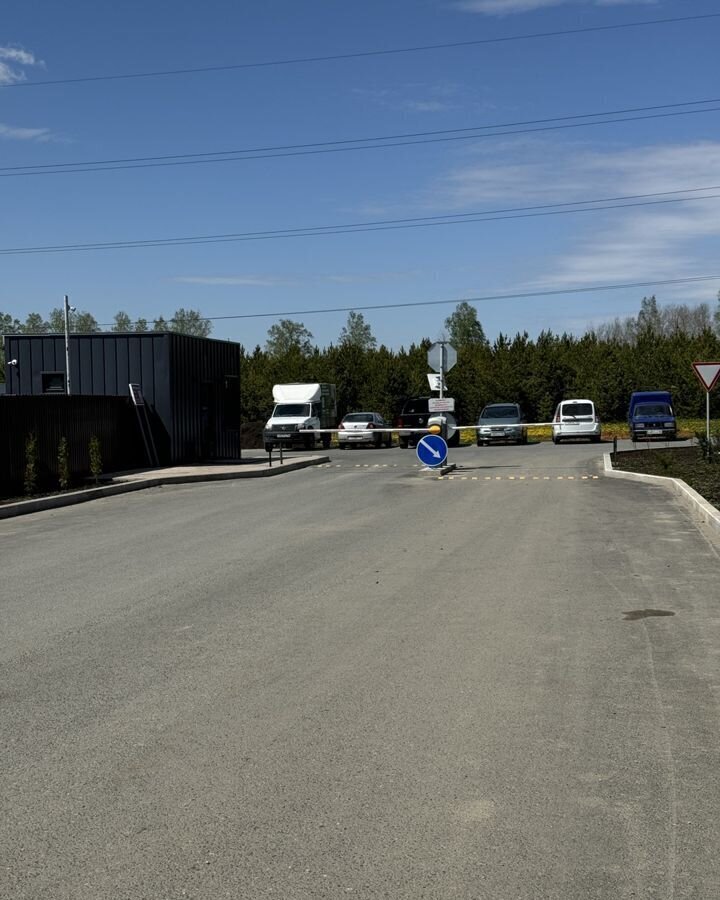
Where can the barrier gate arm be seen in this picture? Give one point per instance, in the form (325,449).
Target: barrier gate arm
(425,430)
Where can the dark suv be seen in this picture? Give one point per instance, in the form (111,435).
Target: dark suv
(415,414)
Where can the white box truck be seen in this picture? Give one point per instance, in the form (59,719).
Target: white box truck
(300,408)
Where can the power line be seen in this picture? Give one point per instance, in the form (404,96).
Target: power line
(517,295)
(332,146)
(627,201)
(302,60)
(340,146)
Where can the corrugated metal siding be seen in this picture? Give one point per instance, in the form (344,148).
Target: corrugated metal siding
(199,369)
(111,419)
(183,380)
(100,365)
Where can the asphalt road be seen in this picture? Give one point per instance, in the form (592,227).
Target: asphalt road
(359,680)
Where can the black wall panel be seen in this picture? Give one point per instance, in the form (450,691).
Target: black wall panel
(188,383)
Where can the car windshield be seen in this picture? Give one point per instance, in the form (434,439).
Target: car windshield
(576,410)
(359,417)
(416,406)
(291,409)
(500,412)
(653,409)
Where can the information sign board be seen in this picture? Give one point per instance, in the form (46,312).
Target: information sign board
(436,404)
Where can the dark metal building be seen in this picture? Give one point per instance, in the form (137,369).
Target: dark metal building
(191,385)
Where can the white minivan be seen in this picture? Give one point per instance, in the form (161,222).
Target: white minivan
(576,419)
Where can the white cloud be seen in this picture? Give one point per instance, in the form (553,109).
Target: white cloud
(234,280)
(12,59)
(511,7)
(13,133)
(649,243)
(654,242)
(273,281)
(414,97)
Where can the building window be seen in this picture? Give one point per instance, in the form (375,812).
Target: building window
(53,382)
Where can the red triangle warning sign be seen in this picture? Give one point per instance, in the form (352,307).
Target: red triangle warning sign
(708,373)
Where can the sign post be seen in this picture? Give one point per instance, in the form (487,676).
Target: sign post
(441,357)
(708,373)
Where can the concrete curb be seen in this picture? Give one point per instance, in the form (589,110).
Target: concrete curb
(23,507)
(696,504)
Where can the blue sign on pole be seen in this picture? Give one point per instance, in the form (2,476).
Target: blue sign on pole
(432,450)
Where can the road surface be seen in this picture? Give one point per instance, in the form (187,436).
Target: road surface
(360,681)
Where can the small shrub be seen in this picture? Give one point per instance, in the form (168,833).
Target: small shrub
(710,449)
(664,462)
(31,463)
(63,461)
(95,458)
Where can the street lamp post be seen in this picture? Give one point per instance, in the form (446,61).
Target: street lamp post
(67,310)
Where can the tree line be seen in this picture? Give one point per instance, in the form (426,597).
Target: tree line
(653,350)
(186,321)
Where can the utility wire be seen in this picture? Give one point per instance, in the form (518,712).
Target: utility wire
(627,201)
(516,295)
(363,143)
(302,60)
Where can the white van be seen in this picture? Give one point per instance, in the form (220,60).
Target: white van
(576,419)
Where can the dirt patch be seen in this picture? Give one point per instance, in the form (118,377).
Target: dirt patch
(635,614)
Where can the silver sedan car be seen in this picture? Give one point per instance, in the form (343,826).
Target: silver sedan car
(501,422)
(364,428)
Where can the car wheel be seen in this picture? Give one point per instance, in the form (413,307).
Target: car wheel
(556,439)
(403,444)
(595,439)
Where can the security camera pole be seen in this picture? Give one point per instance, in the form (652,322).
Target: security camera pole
(67,309)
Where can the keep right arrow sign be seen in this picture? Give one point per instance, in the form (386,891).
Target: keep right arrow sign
(708,373)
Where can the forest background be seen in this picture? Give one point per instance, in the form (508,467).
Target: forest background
(653,350)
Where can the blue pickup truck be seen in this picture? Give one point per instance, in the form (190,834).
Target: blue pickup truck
(651,415)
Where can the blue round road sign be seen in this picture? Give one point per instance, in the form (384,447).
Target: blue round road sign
(432,450)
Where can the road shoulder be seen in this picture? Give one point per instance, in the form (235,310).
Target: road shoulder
(124,483)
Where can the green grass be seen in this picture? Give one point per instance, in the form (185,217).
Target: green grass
(686,429)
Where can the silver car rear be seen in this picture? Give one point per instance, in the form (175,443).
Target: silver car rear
(363,428)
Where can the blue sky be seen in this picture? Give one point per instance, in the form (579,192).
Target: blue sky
(345,99)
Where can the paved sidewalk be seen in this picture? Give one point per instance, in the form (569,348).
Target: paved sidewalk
(698,506)
(255,466)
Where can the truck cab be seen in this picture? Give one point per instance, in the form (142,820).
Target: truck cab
(651,415)
(299,410)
